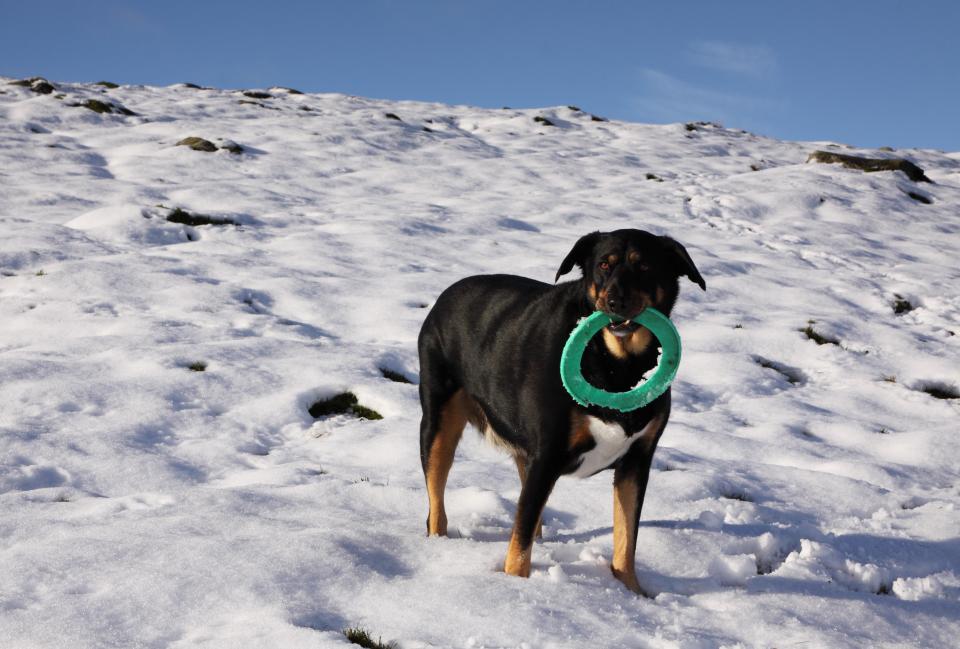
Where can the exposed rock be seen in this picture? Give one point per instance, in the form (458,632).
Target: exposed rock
(912,171)
(42,87)
(36,84)
(256,103)
(106,84)
(543,120)
(392,116)
(198,144)
(231,146)
(177,215)
(256,94)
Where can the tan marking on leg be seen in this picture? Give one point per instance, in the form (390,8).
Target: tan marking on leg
(624,537)
(521,468)
(518,558)
(453,418)
(522,472)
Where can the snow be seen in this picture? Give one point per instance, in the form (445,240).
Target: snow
(144,504)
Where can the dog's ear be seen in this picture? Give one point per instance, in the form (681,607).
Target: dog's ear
(681,262)
(578,255)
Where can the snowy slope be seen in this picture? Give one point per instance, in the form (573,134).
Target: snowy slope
(803,494)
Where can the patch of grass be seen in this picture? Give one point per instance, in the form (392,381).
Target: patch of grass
(396,377)
(106,84)
(869,165)
(365,413)
(543,120)
(818,337)
(343,403)
(98,106)
(105,107)
(177,215)
(360,636)
(198,144)
(197,366)
(901,304)
(40,273)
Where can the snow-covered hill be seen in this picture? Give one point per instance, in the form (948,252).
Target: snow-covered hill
(804,494)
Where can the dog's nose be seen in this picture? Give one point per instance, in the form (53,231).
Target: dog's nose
(613,302)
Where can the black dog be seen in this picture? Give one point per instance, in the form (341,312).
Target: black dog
(490,355)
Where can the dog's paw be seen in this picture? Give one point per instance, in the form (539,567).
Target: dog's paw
(629,579)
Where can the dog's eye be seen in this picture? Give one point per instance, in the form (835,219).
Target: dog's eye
(604,265)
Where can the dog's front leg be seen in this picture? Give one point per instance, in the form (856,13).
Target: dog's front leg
(533,496)
(629,486)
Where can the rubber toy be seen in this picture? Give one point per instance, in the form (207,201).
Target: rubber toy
(648,390)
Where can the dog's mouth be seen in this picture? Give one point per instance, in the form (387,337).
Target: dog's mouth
(623,328)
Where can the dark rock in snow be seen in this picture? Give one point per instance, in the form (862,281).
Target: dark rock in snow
(36,84)
(912,171)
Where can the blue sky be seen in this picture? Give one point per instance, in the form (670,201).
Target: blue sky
(869,73)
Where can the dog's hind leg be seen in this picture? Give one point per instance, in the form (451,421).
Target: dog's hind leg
(440,431)
(521,461)
(540,478)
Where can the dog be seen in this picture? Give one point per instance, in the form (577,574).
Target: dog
(490,356)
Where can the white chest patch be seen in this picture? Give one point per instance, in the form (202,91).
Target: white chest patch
(612,443)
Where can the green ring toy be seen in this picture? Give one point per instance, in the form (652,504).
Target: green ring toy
(586,394)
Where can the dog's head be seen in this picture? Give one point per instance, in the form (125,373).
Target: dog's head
(626,271)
